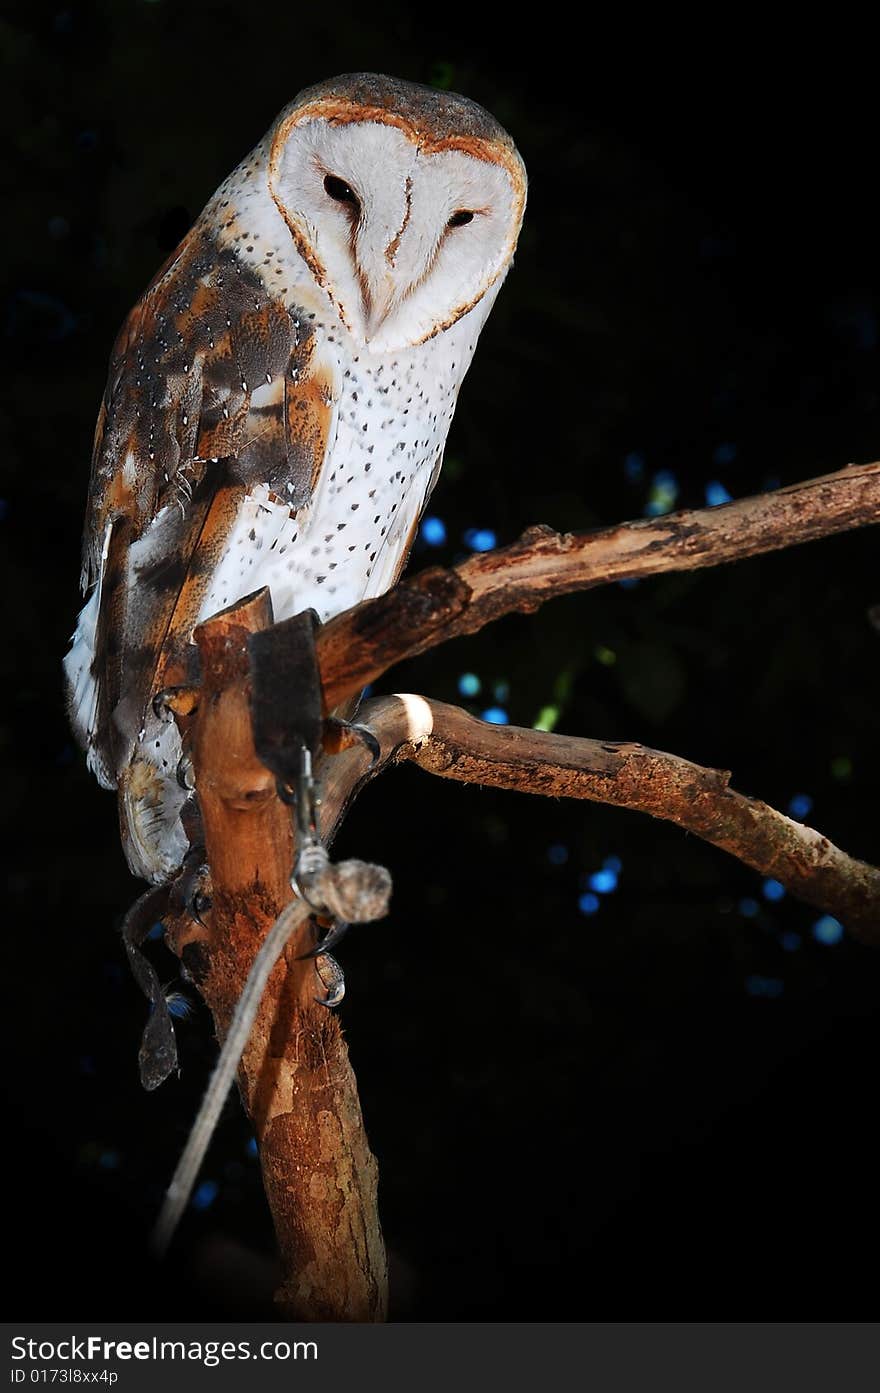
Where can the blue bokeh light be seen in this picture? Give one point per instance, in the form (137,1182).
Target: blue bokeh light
(773,891)
(480,538)
(433,531)
(495,715)
(828,930)
(603,882)
(748,907)
(613,863)
(800,805)
(588,903)
(205,1195)
(469,684)
(252,1149)
(716,494)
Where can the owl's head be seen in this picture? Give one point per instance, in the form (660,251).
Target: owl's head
(405,202)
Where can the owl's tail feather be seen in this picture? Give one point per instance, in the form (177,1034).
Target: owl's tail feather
(82,688)
(82,680)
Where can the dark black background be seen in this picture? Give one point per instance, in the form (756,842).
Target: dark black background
(654,1110)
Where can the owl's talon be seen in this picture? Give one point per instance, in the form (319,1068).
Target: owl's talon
(337,931)
(186,774)
(200,905)
(343,735)
(162,708)
(175,701)
(199,901)
(332,978)
(190,892)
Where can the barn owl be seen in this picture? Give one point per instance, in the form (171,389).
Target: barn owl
(278,404)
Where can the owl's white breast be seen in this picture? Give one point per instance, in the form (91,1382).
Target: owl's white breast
(391,417)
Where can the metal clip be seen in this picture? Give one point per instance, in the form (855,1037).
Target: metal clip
(311,854)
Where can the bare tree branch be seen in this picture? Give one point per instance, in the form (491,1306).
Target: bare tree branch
(436,605)
(445,740)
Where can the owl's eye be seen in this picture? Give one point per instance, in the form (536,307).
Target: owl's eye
(464,215)
(341,192)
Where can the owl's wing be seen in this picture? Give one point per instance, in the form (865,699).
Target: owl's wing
(214,386)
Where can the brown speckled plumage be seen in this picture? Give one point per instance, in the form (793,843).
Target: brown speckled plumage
(178,404)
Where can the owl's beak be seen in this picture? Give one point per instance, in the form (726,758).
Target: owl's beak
(379,303)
